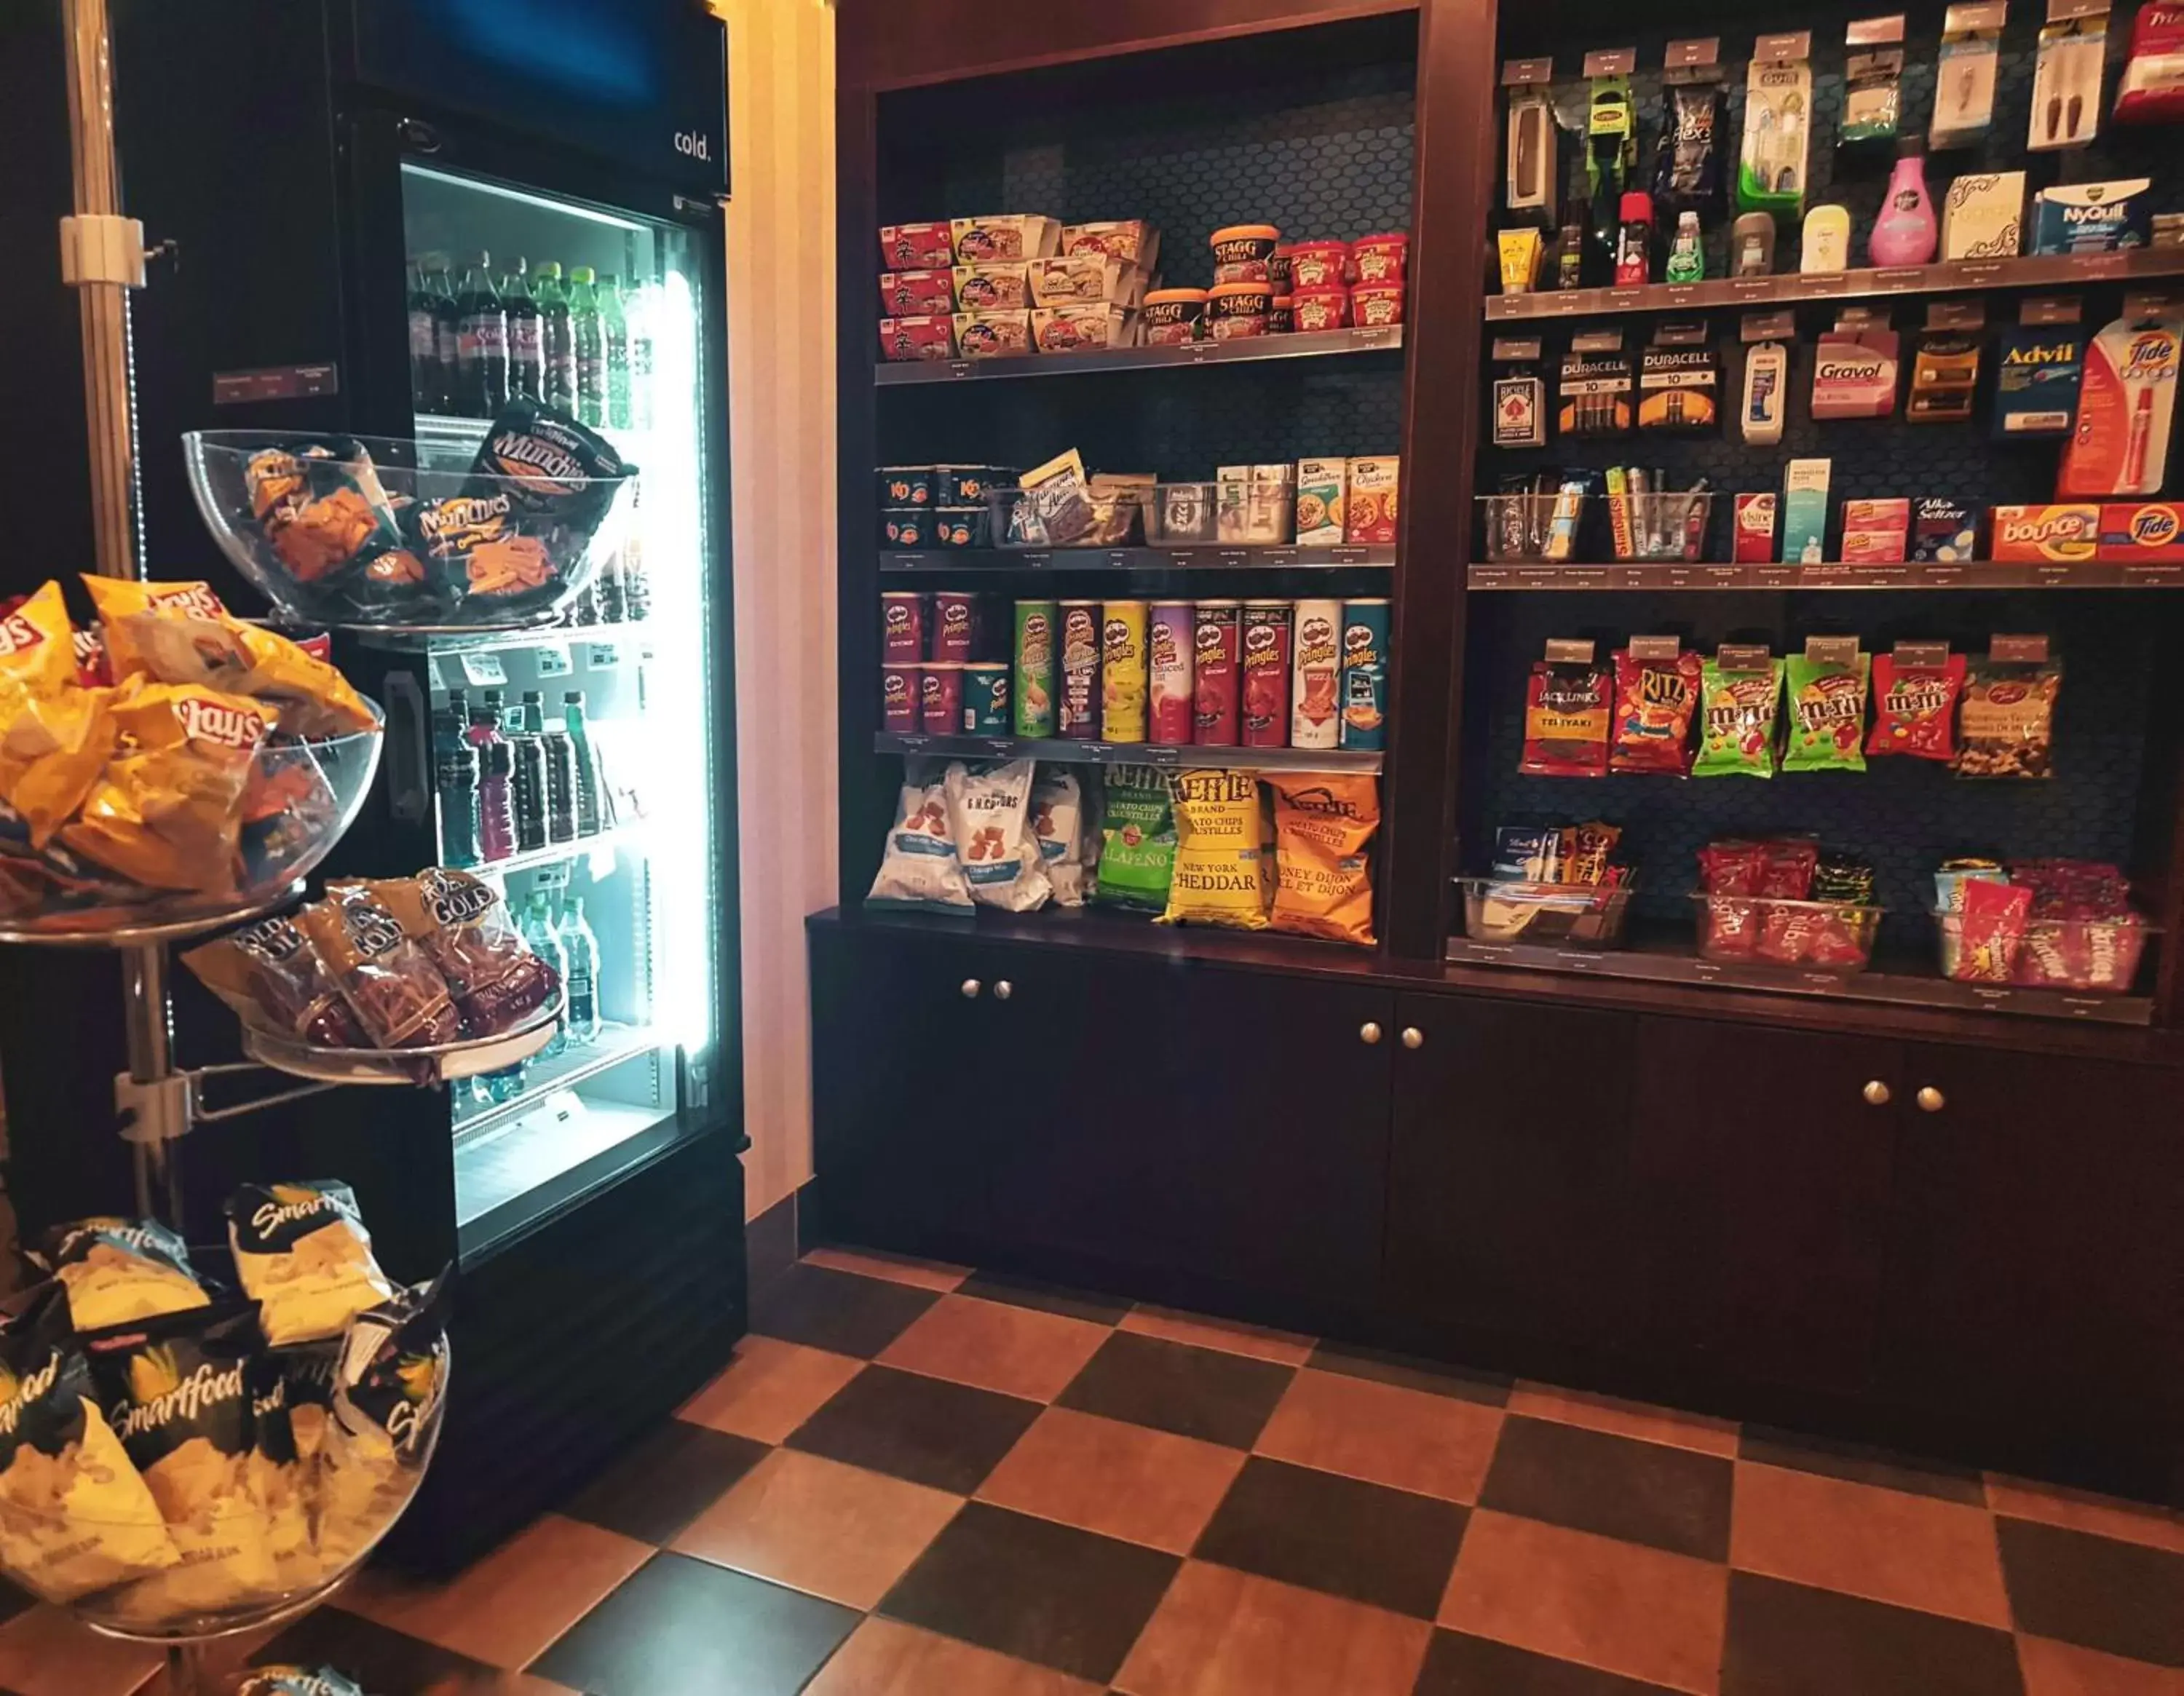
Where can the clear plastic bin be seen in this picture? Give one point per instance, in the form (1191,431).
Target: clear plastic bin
(1666,529)
(1183,514)
(1261,513)
(1108,520)
(1537,528)
(1565,915)
(2099,956)
(1765,929)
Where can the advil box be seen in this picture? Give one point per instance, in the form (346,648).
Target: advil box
(2047,535)
(2151,534)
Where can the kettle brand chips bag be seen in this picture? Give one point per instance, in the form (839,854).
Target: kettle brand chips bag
(302,1253)
(1324,829)
(1137,839)
(1219,875)
(115,1270)
(1737,715)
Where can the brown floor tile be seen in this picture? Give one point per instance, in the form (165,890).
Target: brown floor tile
(1221,1633)
(1617,1606)
(1046,1592)
(1641,1419)
(1434,1445)
(2063,1669)
(1412,1372)
(505,1608)
(2057,1504)
(1792,1640)
(1387,1548)
(1125,1481)
(1458,1665)
(1018,1351)
(883,1658)
(769,1389)
(1192,1392)
(44,1651)
(838,1311)
(1861,1462)
(1615,1486)
(820,1526)
(901,1269)
(1071,1304)
(2121,1597)
(1285,1348)
(947,1436)
(664,1481)
(379,1658)
(1885,1545)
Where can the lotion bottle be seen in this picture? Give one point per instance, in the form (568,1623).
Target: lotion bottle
(1908,231)
(1827,240)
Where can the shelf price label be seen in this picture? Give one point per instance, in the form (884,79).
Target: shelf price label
(484,671)
(553,659)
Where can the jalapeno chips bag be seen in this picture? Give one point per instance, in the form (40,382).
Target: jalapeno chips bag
(1220,875)
(1137,839)
(1324,824)
(302,1253)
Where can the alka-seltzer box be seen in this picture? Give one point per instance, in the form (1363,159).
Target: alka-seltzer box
(1805,484)
(1756,517)
(1370,521)
(1322,501)
(2142,534)
(1875,532)
(2054,535)
(1943,532)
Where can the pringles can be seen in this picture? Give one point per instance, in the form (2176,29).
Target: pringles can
(898,699)
(940,697)
(1168,644)
(986,699)
(1216,632)
(1365,675)
(902,628)
(1033,652)
(1316,676)
(1122,676)
(1080,670)
(955,625)
(1266,626)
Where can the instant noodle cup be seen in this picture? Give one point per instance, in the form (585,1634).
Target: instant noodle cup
(1379,258)
(1324,824)
(1220,874)
(1319,308)
(55,735)
(1373,305)
(302,1253)
(1319,265)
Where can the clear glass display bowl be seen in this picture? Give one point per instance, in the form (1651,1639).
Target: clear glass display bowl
(373,550)
(306,795)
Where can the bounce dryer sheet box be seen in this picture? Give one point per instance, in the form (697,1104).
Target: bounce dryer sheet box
(2052,535)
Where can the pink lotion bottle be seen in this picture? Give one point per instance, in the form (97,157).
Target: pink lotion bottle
(1908,231)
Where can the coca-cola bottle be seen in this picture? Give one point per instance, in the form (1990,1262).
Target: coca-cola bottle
(481,382)
(526,347)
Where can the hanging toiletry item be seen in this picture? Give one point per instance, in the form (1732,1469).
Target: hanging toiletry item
(1569,257)
(1687,176)
(1680,382)
(2129,404)
(2040,370)
(2066,80)
(1611,145)
(1873,85)
(1634,247)
(1752,245)
(1532,177)
(1773,168)
(1594,394)
(1945,367)
(1907,230)
(1964,82)
(1827,240)
(1766,406)
(1520,393)
(1855,368)
(1687,251)
(2152,87)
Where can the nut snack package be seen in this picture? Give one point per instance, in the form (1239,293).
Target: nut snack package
(1057,820)
(1137,839)
(921,868)
(397,994)
(989,810)
(275,983)
(1220,874)
(1324,824)
(117,1270)
(74,1515)
(302,1253)
(2007,728)
(1740,707)
(1827,713)
(498,984)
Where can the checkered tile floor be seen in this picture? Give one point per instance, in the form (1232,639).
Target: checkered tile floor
(919,1482)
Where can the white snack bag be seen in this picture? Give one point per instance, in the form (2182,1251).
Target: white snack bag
(990,806)
(1057,819)
(920,869)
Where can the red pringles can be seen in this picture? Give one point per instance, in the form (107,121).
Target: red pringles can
(1268,627)
(1170,641)
(903,616)
(899,697)
(1215,638)
(955,625)
(1080,670)
(940,697)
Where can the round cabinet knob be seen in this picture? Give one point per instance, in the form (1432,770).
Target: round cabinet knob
(1003,990)
(1931,1100)
(1877,1095)
(1413,1037)
(970,989)
(1369,1033)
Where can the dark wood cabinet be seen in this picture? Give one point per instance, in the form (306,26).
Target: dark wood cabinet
(1506,1211)
(1759,1205)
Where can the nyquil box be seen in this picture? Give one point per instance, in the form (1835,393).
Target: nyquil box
(2093,217)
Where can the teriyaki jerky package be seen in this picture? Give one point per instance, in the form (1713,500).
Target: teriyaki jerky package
(1741,698)
(1828,687)
(302,1253)
(1569,708)
(1137,839)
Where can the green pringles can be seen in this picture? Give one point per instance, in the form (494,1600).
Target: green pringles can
(1365,675)
(1037,623)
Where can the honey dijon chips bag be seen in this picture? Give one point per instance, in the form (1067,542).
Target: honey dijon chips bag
(1323,828)
(54,734)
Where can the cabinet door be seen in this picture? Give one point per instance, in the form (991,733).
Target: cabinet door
(1506,1198)
(1763,1174)
(2038,1256)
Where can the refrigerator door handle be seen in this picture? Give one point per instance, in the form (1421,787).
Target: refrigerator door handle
(409,756)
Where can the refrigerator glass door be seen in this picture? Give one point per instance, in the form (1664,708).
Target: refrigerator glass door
(609,869)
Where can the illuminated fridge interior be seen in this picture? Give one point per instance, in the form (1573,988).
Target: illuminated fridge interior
(635,648)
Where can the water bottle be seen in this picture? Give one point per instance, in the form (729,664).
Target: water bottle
(538,932)
(580,948)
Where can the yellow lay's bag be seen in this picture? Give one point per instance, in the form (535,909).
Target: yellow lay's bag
(54,734)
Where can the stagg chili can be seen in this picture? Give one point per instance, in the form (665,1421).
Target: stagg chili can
(902,627)
(1215,634)
(1316,676)
(940,697)
(1267,627)
(1033,652)
(899,697)
(955,625)
(1122,676)
(1168,646)
(1080,670)
(1365,674)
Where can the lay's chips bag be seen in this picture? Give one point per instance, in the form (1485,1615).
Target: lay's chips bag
(54,734)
